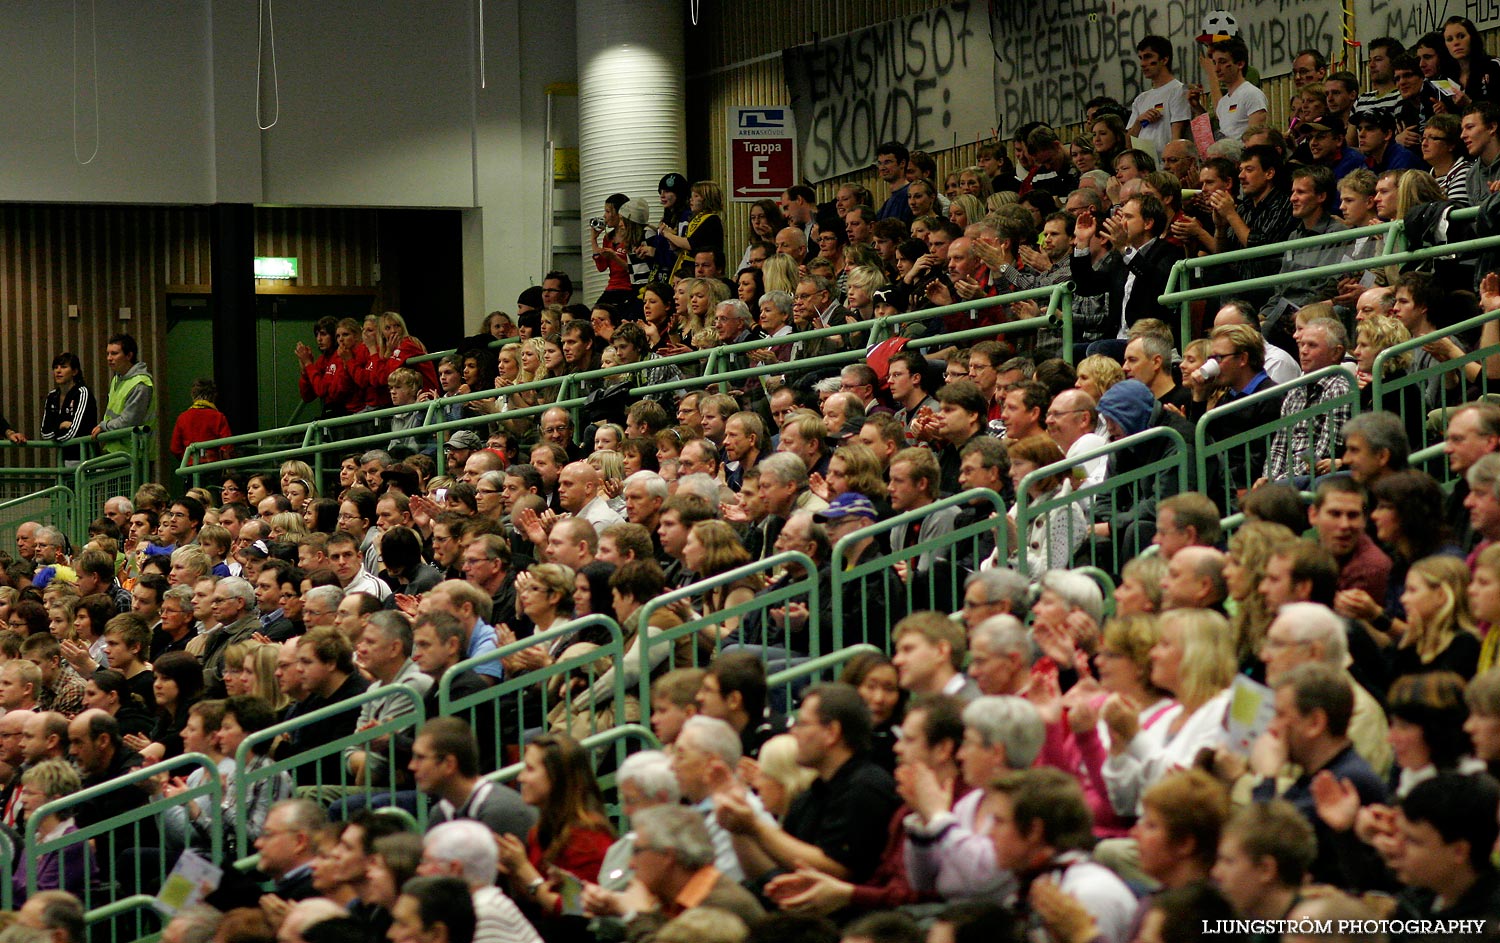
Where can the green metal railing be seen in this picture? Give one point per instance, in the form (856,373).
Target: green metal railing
(440,354)
(935,568)
(1106,585)
(1413,390)
(1183,271)
(317,451)
(1389,256)
(309,769)
(1129,493)
(89,482)
(148,919)
(594,745)
(299,440)
(704,635)
(815,670)
(1059,305)
(129,850)
(504,713)
(1230,463)
(52,506)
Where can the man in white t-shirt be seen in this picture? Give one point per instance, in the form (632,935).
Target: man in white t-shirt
(1242,106)
(1160,113)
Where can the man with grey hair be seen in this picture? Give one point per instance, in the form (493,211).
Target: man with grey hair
(26,540)
(705,760)
(792,242)
(1148,358)
(1375,445)
(1309,632)
(287,846)
(859,380)
(1473,432)
(783,483)
(371,464)
(949,852)
(681,854)
(697,457)
(1000,656)
(645,492)
(51,547)
(701,485)
(735,324)
(645,780)
(383,652)
(320,607)
(119,509)
(195,924)
(993,592)
(234,608)
(1194,580)
(1483,499)
(466,850)
(1297,451)
(1180,159)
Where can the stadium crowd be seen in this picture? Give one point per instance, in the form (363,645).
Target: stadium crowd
(1031,757)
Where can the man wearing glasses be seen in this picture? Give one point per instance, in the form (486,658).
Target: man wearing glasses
(233,608)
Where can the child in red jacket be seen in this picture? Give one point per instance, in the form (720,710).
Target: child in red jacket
(201,422)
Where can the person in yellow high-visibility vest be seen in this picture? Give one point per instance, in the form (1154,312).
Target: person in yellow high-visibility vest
(131,390)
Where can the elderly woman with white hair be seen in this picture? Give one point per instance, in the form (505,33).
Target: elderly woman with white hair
(948,849)
(1066,616)
(645,780)
(466,849)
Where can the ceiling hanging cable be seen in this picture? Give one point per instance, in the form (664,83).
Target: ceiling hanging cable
(94,52)
(482,83)
(267,17)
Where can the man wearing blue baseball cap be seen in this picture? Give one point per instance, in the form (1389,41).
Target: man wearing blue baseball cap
(847,513)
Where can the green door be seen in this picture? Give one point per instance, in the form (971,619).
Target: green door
(281,321)
(190,355)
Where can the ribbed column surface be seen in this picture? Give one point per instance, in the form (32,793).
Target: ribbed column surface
(631,120)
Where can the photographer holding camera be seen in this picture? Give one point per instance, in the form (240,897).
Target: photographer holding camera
(614,238)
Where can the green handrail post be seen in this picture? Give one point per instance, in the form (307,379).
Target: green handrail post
(1382,388)
(1027,510)
(1205,450)
(815,667)
(495,344)
(103,832)
(1064,302)
(843,574)
(365,441)
(259,742)
(514,690)
(137,903)
(806,587)
(60,511)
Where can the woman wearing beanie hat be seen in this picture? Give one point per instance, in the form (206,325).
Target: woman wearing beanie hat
(702,227)
(673,191)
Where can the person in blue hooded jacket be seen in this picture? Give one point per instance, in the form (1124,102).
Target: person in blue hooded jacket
(1125,519)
